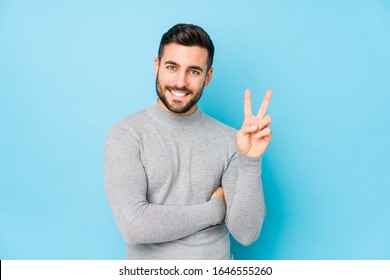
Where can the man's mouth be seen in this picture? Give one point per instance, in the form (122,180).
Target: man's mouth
(179,93)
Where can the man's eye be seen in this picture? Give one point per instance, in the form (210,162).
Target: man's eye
(171,67)
(194,72)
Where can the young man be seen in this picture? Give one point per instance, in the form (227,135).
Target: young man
(177,180)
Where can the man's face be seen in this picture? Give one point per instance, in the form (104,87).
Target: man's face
(181,76)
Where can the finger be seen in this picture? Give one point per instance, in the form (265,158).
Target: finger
(264,104)
(266,121)
(247,129)
(218,192)
(247,103)
(266,132)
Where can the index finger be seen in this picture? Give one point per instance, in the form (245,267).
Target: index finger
(247,103)
(264,104)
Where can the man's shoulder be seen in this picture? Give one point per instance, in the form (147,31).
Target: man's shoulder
(221,134)
(133,119)
(131,122)
(218,126)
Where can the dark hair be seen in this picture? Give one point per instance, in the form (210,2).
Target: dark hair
(188,35)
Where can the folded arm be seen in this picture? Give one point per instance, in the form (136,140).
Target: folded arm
(126,190)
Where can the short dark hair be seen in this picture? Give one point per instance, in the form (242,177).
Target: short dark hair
(188,35)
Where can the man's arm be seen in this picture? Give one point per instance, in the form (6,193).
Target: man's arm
(126,190)
(242,179)
(244,198)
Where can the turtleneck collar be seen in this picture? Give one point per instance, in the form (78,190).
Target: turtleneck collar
(172,120)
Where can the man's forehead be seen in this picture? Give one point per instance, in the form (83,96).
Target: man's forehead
(181,54)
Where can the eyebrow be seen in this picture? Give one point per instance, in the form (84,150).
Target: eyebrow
(195,67)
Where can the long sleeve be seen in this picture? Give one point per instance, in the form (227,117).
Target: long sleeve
(244,197)
(126,187)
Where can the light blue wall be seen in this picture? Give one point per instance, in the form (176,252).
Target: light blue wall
(68,69)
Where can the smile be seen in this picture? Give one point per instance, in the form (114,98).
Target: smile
(178,93)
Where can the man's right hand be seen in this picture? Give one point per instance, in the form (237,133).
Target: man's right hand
(219,194)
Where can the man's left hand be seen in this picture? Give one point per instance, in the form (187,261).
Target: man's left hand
(255,134)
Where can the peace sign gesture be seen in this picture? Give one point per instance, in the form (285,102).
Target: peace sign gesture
(255,134)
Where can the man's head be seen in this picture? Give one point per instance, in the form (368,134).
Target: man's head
(183,68)
(188,35)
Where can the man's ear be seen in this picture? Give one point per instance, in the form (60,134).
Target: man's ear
(209,75)
(156,66)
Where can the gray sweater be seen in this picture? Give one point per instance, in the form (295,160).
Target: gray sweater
(160,171)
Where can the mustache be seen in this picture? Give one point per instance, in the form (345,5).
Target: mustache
(186,89)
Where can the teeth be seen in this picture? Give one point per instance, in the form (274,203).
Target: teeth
(178,94)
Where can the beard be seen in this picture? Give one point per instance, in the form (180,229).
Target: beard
(178,106)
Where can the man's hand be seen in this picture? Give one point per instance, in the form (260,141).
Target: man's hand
(255,134)
(219,193)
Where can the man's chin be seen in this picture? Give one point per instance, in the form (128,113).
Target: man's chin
(179,108)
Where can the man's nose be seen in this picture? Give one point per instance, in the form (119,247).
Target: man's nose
(181,79)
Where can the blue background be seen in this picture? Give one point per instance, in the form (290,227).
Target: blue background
(69,69)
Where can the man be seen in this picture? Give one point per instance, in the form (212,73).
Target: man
(177,180)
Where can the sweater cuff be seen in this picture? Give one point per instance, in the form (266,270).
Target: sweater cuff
(248,164)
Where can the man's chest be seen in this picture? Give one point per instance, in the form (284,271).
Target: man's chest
(183,171)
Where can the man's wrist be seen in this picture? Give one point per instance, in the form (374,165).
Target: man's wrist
(249,164)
